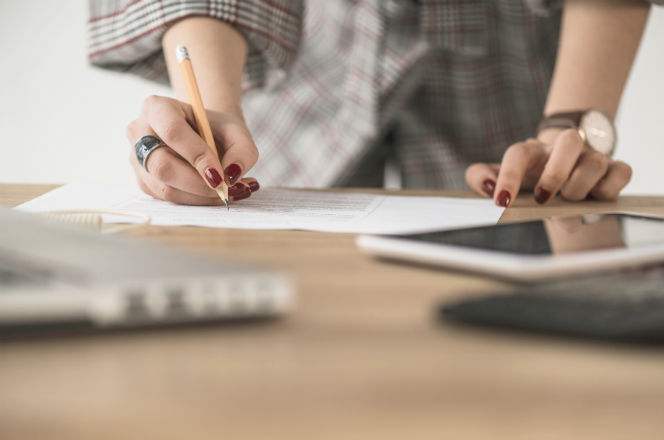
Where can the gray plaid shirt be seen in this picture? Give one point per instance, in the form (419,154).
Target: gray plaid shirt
(335,90)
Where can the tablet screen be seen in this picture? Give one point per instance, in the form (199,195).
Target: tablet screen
(555,235)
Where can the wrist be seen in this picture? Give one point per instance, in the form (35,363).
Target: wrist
(218,54)
(595,128)
(230,107)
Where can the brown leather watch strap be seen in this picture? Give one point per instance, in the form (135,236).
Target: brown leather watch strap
(570,119)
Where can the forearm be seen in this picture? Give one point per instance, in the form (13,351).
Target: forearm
(599,39)
(218,54)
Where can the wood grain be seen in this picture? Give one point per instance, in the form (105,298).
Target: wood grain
(361,357)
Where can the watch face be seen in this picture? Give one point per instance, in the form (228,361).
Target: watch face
(599,130)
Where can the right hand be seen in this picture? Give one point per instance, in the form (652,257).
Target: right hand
(184,172)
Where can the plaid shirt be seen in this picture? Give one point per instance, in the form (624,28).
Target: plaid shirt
(335,90)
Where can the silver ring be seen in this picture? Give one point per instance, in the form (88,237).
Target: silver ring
(144,146)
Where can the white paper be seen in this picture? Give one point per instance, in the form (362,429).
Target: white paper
(277,208)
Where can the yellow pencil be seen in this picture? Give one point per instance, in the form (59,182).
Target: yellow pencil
(199,112)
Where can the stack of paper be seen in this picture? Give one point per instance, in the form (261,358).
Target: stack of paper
(276,208)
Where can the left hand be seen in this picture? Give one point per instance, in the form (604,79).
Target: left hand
(562,165)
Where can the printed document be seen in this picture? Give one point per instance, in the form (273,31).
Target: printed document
(279,208)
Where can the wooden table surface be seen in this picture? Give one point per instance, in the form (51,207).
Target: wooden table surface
(361,357)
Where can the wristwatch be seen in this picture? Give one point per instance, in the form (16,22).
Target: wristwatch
(594,127)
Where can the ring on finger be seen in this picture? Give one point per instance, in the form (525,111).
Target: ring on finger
(145,146)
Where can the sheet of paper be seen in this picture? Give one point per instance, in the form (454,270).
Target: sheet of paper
(277,208)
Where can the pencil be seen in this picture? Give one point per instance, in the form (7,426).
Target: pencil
(200,115)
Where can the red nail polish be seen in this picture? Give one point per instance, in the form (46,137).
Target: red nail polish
(238,188)
(242,196)
(542,195)
(254,186)
(213,177)
(504,198)
(489,186)
(233,171)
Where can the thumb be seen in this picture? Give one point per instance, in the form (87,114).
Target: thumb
(482,177)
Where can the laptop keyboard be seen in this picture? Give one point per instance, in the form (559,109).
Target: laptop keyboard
(14,273)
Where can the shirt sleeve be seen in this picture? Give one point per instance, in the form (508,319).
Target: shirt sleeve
(546,7)
(125,35)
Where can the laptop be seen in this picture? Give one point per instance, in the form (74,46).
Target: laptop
(57,275)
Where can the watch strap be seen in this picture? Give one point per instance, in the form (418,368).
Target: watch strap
(571,119)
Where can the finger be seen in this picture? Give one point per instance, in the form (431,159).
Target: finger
(170,169)
(590,168)
(239,191)
(482,177)
(252,183)
(171,126)
(167,166)
(168,193)
(134,128)
(563,157)
(240,197)
(139,175)
(238,151)
(517,160)
(131,132)
(616,178)
(159,190)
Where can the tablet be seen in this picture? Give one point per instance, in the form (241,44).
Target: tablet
(532,250)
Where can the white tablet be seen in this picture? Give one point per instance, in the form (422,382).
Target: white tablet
(533,250)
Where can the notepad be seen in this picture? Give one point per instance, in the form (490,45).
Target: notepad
(280,208)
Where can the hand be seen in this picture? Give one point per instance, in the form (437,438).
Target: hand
(555,163)
(187,171)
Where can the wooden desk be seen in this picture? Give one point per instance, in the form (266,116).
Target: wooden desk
(360,358)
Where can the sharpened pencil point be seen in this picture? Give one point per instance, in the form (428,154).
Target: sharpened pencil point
(223,196)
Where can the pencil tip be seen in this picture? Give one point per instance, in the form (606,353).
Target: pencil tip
(226,203)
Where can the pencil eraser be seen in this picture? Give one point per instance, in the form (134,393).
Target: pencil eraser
(181,53)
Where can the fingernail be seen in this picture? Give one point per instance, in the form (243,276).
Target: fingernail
(241,196)
(489,186)
(213,177)
(233,171)
(503,198)
(542,195)
(254,186)
(238,188)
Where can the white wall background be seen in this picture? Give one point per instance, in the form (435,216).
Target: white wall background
(61,120)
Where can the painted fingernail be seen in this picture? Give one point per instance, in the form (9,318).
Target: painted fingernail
(238,188)
(504,198)
(242,196)
(213,177)
(233,171)
(542,195)
(489,186)
(254,186)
